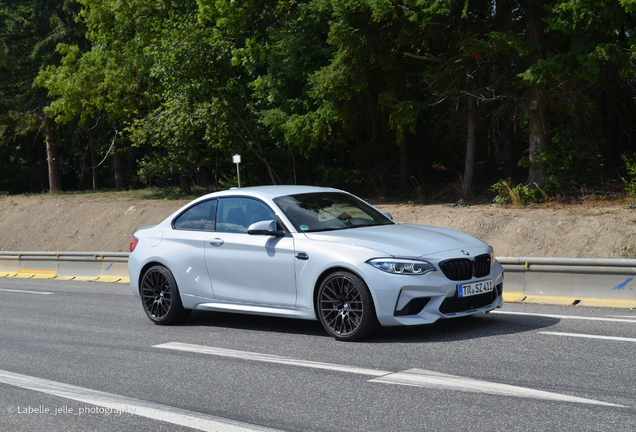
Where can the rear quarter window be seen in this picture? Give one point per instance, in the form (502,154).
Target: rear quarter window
(200,217)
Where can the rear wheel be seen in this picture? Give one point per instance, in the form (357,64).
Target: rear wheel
(160,297)
(345,307)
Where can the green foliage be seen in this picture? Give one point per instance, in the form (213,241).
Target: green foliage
(565,158)
(596,37)
(631,171)
(461,204)
(312,91)
(402,114)
(517,195)
(29,33)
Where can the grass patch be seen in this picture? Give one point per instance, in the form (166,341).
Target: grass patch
(518,195)
(630,252)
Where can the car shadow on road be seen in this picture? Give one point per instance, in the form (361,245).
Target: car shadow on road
(254,322)
(446,330)
(466,328)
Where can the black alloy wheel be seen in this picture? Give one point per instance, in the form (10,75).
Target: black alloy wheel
(345,307)
(160,297)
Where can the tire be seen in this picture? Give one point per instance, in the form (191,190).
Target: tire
(160,297)
(345,307)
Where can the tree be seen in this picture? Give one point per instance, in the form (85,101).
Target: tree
(357,100)
(538,121)
(28,35)
(585,55)
(597,59)
(382,94)
(469,170)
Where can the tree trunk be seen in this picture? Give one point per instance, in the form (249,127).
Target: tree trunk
(611,122)
(93,167)
(538,133)
(469,168)
(401,91)
(272,174)
(52,158)
(503,11)
(505,132)
(538,123)
(404,160)
(118,165)
(184,182)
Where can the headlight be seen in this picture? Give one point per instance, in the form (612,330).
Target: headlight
(402,266)
(492,255)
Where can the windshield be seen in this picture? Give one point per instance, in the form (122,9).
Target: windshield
(326,211)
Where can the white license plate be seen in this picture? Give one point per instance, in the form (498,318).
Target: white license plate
(475,288)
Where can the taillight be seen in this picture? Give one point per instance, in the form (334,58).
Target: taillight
(133,243)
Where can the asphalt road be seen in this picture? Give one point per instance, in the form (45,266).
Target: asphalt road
(84,357)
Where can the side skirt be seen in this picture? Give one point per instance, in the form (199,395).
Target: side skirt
(251,309)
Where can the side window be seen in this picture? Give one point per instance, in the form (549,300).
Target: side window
(235,215)
(197,218)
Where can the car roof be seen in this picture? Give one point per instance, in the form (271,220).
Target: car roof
(272,191)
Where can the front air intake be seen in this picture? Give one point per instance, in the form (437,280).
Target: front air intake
(456,304)
(413,307)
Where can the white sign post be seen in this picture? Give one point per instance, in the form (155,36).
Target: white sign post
(237,160)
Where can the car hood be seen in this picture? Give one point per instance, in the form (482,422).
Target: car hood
(401,240)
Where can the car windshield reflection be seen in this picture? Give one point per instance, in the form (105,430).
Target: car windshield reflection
(315,212)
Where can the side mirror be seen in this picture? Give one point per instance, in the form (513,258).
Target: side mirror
(387,214)
(266,227)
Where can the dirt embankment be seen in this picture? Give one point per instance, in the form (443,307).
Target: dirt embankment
(573,231)
(76,222)
(105,223)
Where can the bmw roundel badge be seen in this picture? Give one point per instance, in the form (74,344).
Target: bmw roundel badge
(465,252)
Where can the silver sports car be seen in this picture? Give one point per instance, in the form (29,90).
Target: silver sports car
(311,253)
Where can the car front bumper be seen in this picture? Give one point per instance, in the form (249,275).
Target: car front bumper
(417,300)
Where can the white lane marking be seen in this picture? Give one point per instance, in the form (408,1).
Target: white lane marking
(26,292)
(579,335)
(155,411)
(411,377)
(633,317)
(245,355)
(441,381)
(565,316)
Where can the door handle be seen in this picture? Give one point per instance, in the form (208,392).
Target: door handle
(216,242)
(302,256)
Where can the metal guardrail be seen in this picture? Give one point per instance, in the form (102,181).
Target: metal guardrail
(571,281)
(568,281)
(100,266)
(64,255)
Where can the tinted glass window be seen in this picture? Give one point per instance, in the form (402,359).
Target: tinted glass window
(198,218)
(235,215)
(329,211)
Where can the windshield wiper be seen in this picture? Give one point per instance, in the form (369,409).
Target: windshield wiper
(327,229)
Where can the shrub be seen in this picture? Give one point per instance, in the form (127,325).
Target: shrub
(508,193)
(631,171)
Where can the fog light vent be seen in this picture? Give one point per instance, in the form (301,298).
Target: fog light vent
(413,307)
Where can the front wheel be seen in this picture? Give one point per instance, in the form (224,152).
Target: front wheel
(345,307)
(160,297)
